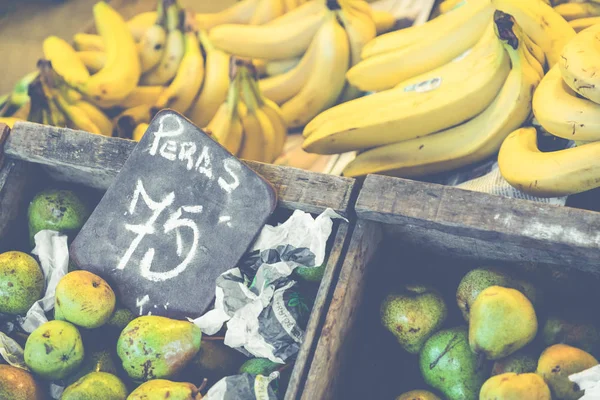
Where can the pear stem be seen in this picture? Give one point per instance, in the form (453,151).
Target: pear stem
(202,385)
(222,338)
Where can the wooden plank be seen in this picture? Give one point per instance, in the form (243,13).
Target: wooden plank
(94,160)
(478,225)
(332,347)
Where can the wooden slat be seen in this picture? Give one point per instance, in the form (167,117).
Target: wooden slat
(332,347)
(477,225)
(94,160)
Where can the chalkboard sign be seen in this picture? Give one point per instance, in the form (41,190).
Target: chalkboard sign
(181,211)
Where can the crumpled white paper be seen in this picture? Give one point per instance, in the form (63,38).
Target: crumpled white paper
(588,381)
(53,252)
(12,352)
(241,314)
(232,387)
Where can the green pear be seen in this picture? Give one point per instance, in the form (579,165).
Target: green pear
(153,347)
(57,210)
(559,361)
(84,299)
(310,274)
(54,350)
(572,331)
(96,385)
(21,282)
(214,361)
(520,362)
(120,318)
(448,365)
(160,389)
(418,395)
(511,386)
(502,321)
(17,384)
(413,315)
(259,366)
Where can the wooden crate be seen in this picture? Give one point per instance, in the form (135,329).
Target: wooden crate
(93,161)
(410,231)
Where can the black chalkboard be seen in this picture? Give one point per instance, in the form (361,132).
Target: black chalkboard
(181,211)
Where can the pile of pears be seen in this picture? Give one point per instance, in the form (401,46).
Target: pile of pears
(507,349)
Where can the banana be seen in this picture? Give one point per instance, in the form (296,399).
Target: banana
(583,23)
(121,72)
(571,11)
(468,143)
(88,41)
(166,68)
(65,60)
(405,115)
(139,131)
(298,14)
(240,13)
(9,121)
(93,60)
(183,90)
(435,28)
(536,51)
(275,115)
(267,10)
(226,128)
(152,43)
(126,122)
(546,27)
(253,144)
(216,84)
(76,117)
(449,5)
(289,5)
(140,95)
(331,61)
(580,61)
(140,23)
(387,70)
(279,67)
(562,113)
(384,21)
(96,116)
(551,174)
(271,42)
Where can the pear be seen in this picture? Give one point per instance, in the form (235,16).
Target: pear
(259,366)
(120,318)
(96,385)
(84,299)
(214,361)
(413,315)
(160,389)
(448,365)
(511,386)
(97,361)
(502,321)
(559,361)
(574,332)
(21,282)
(17,384)
(520,362)
(54,350)
(418,395)
(153,347)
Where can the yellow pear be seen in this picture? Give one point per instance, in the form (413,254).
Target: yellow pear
(511,386)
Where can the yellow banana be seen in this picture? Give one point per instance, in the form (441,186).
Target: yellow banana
(76,117)
(289,5)
(96,116)
(583,23)
(541,23)
(93,60)
(449,5)
(267,10)
(551,174)
(9,121)
(140,23)
(261,66)
(309,8)
(410,114)
(152,46)
(88,41)
(275,115)
(536,51)
(279,67)
(468,143)
(562,113)
(580,63)
(571,11)
(140,95)
(436,28)
(126,122)
(271,42)
(225,127)
(253,144)
(183,90)
(216,84)
(331,61)
(121,72)
(139,131)
(166,68)
(65,60)
(240,13)
(384,21)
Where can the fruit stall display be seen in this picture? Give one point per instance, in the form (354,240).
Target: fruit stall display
(99,349)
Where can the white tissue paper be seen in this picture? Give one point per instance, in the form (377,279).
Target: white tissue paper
(12,352)
(588,381)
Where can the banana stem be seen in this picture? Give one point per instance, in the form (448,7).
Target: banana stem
(160,13)
(205,41)
(257,93)
(233,96)
(173,15)
(248,94)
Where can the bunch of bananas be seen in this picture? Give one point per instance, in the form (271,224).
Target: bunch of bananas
(567,105)
(581,15)
(447,92)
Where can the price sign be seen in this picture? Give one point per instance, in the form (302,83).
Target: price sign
(182,211)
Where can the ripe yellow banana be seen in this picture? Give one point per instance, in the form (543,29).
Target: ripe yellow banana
(331,61)
(275,115)
(278,67)
(384,71)
(151,46)
(140,23)
(216,84)
(571,11)
(93,60)
(121,72)
(140,95)
(183,90)
(580,63)
(408,114)
(76,117)
(437,27)
(536,51)
(253,144)
(96,115)
(167,67)
(384,21)
(562,113)
(551,174)
(583,23)
(267,10)
(126,122)
(271,42)
(546,27)
(289,5)
(240,13)
(65,60)
(449,5)
(225,127)
(88,41)
(309,8)
(468,143)
(139,131)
